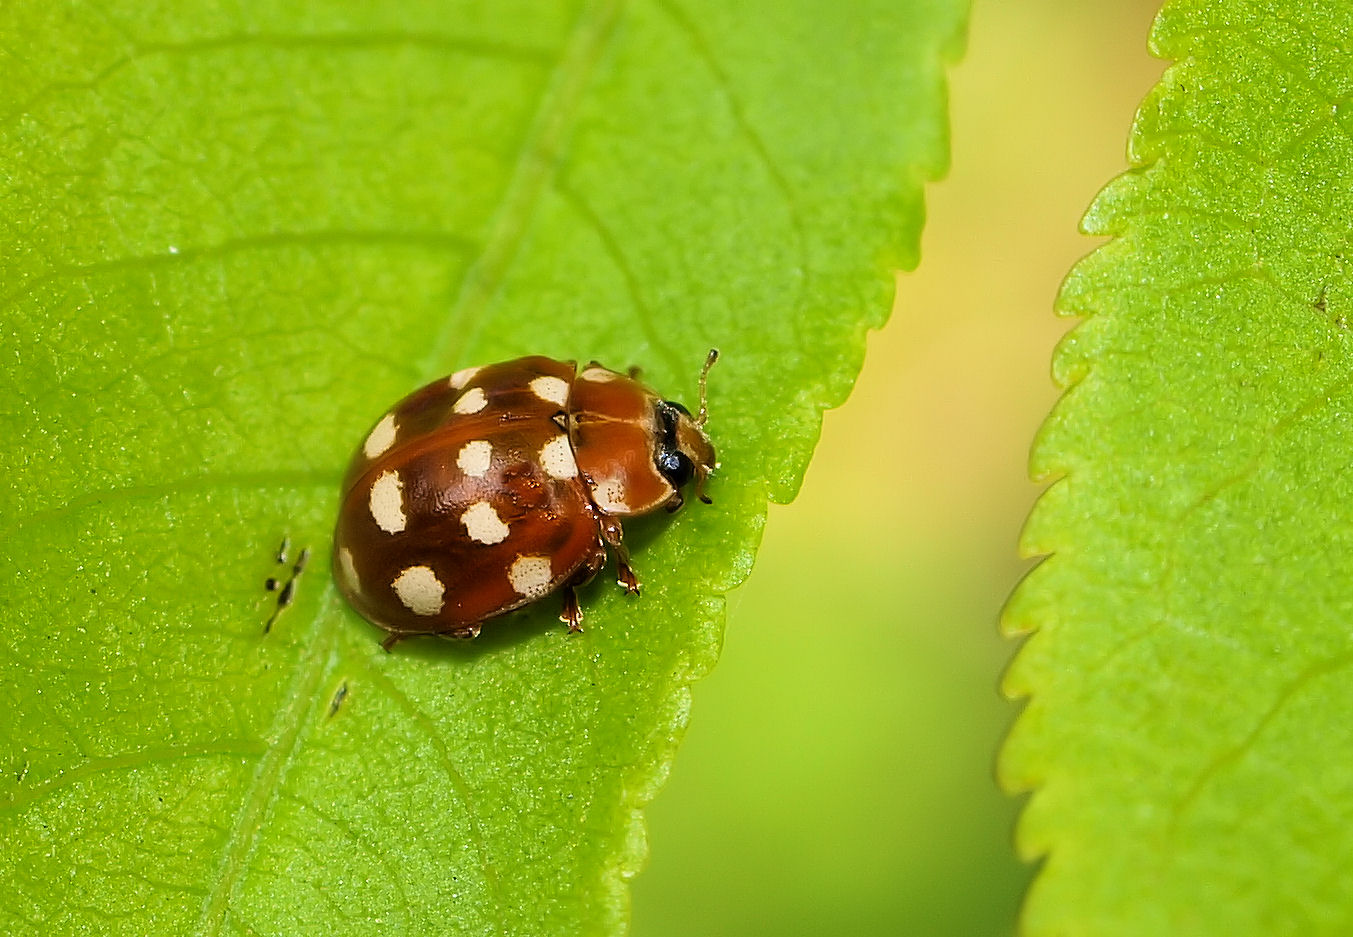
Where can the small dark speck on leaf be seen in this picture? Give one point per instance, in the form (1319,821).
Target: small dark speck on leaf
(1321,305)
(339,695)
(287,593)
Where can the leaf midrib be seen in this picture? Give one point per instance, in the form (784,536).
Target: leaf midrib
(319,659)
(537,165)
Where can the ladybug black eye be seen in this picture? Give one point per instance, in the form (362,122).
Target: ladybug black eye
(674,464)
(676,467)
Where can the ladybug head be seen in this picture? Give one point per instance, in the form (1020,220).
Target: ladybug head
(684,451)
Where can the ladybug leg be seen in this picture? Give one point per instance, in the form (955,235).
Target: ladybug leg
(572,612)
(613,534)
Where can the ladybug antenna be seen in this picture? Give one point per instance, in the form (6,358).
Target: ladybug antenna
(703,415)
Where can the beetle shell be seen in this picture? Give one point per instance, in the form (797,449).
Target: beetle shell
(485,491)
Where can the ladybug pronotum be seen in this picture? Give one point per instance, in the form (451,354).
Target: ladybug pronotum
(490,489)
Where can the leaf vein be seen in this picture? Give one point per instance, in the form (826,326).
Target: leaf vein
(187,485)
(1232,755)
(355,42)
(430,240)
(89,767)
(686,25)
(633,283)
(458,783)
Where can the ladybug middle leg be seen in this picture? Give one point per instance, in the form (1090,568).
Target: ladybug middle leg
(614,535)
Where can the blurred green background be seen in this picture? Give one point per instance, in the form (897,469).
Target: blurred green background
(837,777)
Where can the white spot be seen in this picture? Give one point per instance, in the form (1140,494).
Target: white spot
(387,502)
(173,248)
(553,389)
(530,576)
(483,524)
(475,458)
(420,590)
(382,437)
(599,375)
(556,457)
(347,570)
(609,496)
(472,401)
(462,377)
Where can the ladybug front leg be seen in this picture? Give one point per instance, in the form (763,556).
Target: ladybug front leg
(614,535)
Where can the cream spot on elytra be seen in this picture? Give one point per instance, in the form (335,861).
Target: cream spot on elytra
(556,458)
(382,437)
(530,576)
(462,377)
(609,495)
(387,502)
(552,389)
(475,458)
(347,570)
(472,401)
(420,590)
(598,374)
(483,524)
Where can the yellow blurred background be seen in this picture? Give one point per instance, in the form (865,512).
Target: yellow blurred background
(837,777)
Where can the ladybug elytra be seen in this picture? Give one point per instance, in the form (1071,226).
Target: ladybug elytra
(488,490)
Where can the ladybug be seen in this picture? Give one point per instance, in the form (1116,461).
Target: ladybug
(497,486)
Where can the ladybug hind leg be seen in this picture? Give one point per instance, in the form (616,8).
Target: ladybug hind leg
(572,613)
(614,536)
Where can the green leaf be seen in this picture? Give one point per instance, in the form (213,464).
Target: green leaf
(1187,733)
(232,237)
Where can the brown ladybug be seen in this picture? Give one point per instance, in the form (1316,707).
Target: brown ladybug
(490,489)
